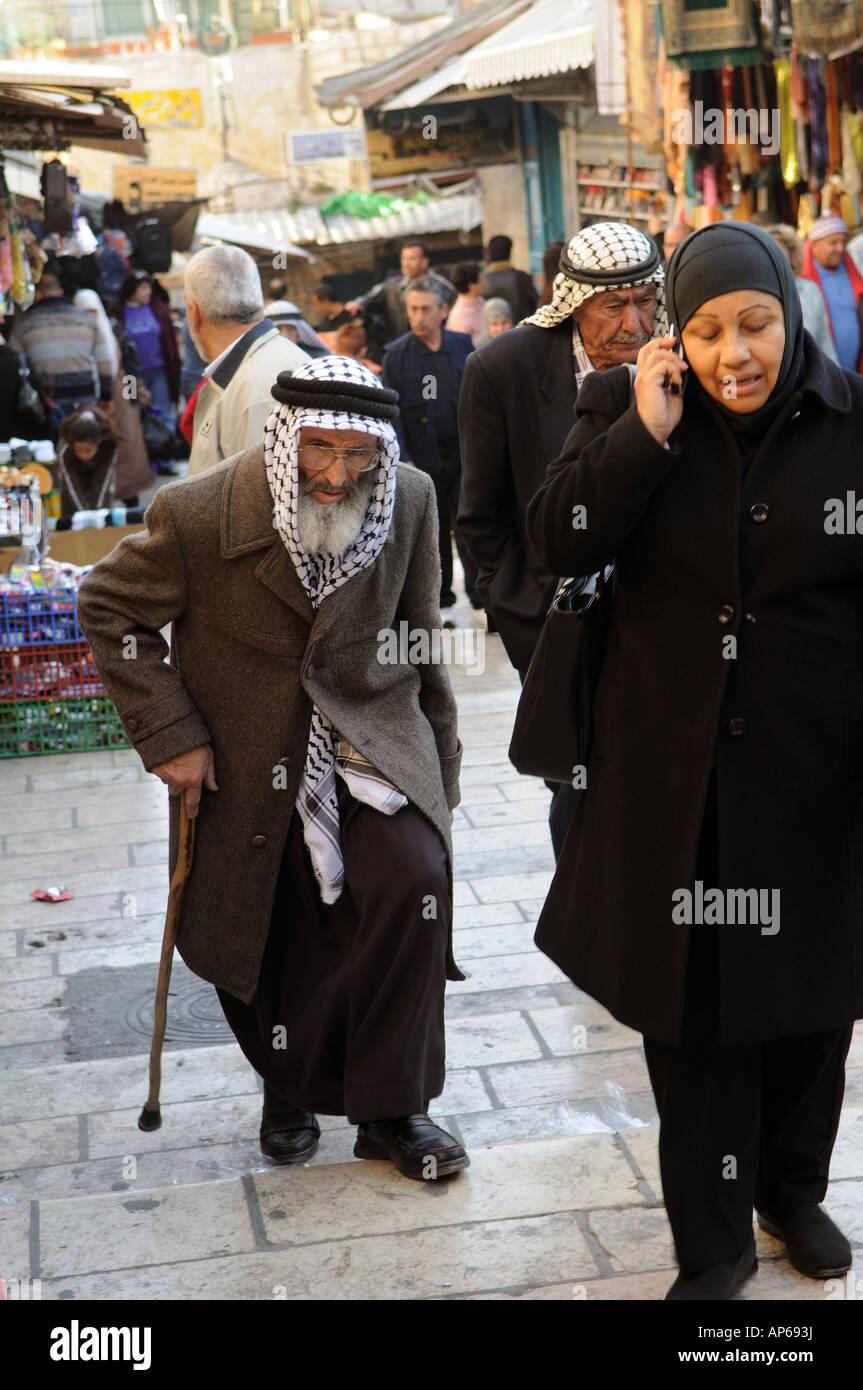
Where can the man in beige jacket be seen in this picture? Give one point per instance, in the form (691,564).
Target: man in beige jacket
(245,352)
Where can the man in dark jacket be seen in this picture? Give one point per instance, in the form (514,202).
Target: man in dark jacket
(384,308)
(500,280)
(516,410)
(426,366)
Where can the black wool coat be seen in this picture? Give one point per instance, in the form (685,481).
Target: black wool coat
(706,549)
(516,409)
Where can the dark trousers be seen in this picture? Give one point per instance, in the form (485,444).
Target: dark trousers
(348,1018)
(741,1124)
(447,485)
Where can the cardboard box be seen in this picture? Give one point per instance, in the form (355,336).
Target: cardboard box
(86,547)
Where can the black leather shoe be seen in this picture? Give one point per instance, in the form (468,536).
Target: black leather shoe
(418,1148)
(288,1135)
(717,1283)
(815,1245)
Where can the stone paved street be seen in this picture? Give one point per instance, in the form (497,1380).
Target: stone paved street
(548,1092)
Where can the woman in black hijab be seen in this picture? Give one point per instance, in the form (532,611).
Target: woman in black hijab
(710,890)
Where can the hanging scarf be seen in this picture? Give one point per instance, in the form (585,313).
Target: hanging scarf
(320,575)
(606,256)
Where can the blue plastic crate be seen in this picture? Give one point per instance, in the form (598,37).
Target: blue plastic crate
(28,616)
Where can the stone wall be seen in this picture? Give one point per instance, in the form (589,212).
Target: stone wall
(272,93)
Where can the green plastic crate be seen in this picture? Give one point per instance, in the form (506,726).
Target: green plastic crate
(60,726)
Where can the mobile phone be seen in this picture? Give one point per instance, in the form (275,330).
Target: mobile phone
(667,383)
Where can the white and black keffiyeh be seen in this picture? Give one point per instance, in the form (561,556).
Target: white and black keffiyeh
(605,256)
(320,576)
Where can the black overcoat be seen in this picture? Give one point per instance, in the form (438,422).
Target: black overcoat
(515,412)
(706,550)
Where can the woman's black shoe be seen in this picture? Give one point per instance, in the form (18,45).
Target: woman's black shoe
(717,1283)
(814,1244)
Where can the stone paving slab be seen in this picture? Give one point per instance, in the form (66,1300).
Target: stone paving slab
(419,1264)
(371,1198)
(115,1231)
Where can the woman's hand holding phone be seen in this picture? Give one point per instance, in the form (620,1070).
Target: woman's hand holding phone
(659,386)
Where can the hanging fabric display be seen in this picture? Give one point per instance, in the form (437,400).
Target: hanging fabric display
(834,138)
(828,27)
(787,134)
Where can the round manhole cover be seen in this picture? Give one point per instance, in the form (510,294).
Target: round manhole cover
(194,1014)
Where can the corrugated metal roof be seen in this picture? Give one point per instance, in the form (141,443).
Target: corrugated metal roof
(366,87)
(290,231)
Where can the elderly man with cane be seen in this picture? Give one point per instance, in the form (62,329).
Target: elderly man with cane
(321,773)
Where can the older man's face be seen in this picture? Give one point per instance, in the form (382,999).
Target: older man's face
(829,251)
(614,324)
(332,461)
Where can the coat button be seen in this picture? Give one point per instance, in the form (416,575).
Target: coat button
(736,727)
(132,723)
(726,613)
(258,840)
(759,511)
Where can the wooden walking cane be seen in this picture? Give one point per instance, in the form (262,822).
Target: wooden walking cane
(150,1117)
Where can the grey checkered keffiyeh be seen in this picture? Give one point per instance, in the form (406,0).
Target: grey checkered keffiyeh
(320,576)
(603,253)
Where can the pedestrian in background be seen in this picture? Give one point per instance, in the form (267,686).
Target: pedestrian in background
(133,473)
(291,324)
(498,319)
(351,342)
(815,318)
(148,324)
(501,280)
(331,312)
(384,308)
(425,367)
(245,352)
(64,349)
(708,890)
(827,264)
(86,462)
(467,314)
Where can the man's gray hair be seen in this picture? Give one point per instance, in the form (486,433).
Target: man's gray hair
(426,285)
(224,283)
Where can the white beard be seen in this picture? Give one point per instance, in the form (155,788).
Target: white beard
(330,528)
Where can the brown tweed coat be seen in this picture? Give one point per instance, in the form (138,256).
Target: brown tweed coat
(248,657)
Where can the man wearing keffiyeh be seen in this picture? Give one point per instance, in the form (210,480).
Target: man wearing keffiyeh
(331,953)
(516,409)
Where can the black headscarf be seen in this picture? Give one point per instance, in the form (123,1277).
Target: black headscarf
(721,258)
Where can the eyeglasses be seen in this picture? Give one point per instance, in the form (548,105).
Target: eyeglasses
(318,457)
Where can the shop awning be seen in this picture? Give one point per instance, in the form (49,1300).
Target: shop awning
(370,86)
(280,230)
(553,36)
(54,105)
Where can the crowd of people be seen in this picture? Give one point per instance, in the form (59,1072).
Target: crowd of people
(679,426)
